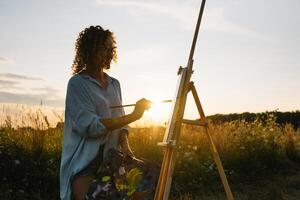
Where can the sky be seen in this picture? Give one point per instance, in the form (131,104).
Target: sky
(246,57)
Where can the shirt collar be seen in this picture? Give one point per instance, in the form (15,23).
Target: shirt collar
(86,76)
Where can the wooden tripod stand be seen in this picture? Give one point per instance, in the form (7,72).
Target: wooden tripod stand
(165,178)
(173,129)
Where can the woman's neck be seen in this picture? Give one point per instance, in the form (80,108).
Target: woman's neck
(99,75)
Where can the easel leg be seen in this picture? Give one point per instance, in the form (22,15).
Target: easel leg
(212,145)
(160,188)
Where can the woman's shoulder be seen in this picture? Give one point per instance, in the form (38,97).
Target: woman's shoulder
(114,80)
(75,78)
(79,79)
(75,81)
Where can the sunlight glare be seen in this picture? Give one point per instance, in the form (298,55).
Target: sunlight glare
(159,112)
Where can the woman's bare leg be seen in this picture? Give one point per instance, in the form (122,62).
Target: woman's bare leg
(80,186)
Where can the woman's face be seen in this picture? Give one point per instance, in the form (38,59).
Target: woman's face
(109,52)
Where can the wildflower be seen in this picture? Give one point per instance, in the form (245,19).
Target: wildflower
(105,178)
(17,162)
(119,184)
(106,187)
(122,170)
(211,167)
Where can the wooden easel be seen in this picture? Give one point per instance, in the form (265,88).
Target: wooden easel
(173,129)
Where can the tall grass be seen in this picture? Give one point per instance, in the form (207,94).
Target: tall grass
(250,152)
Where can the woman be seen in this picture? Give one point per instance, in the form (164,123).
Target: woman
(91,127)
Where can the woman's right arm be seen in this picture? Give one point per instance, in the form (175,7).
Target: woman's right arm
(83,118)
(119,122)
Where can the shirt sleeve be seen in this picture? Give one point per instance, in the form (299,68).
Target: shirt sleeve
(85,121)
(126,127)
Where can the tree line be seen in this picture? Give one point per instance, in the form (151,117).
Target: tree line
(281,118)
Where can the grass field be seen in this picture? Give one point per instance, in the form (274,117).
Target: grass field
(261,160)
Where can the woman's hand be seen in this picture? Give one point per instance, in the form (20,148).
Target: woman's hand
(140,107)
(118,122)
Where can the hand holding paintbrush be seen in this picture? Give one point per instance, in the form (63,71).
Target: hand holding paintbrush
(130,105)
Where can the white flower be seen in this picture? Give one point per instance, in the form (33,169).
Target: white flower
(17,162)
(122,171)
(211,167)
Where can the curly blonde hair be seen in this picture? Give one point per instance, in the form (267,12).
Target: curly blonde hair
(95,48)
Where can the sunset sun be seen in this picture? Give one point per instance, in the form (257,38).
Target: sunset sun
(159,111)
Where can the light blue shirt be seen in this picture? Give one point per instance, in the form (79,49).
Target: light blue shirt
(86,103)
